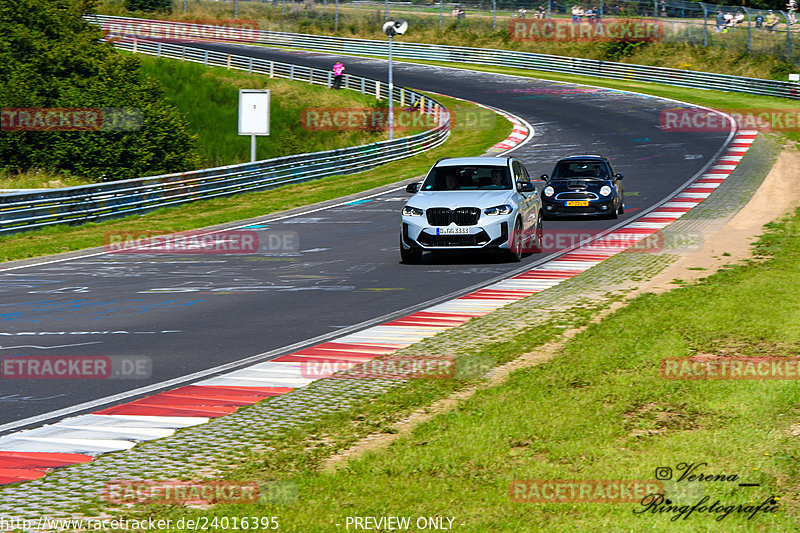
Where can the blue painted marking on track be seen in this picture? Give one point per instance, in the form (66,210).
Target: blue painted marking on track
(355,202)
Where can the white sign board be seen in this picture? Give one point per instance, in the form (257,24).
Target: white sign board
(253,111)
(794,77)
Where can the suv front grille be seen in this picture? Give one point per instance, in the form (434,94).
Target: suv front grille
(478,239)
(463,216)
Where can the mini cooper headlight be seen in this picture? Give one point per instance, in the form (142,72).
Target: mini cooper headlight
(548,191)
(499,210)
(412,211)
(605,190)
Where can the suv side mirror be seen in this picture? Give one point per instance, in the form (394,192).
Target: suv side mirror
(412,187)
(545,177)
(618,176)
(526,186)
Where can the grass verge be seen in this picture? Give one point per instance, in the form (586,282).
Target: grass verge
(209,96)
(599,410)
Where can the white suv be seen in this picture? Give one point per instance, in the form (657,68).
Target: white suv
(472,203)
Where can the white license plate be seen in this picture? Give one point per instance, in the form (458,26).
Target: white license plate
(452,231)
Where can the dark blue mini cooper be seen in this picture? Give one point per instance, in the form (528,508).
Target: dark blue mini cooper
(583,185)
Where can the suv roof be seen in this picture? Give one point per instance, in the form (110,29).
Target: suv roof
(490,161)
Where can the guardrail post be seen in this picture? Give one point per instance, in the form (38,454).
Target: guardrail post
(205,58)
(291,72)
(158,50)
(310,76)
(378,90)
(363,86)
(421,105)
(330,83)
(402,96)
(436,114)
(271,69)
(229,62)
(134,45)
(250,65)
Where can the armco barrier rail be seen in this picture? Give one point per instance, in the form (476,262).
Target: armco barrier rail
(456,54)
(85,203)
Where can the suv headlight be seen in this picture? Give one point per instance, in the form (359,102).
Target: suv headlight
(605,190)
(548,191)
(499,210)
(412,211)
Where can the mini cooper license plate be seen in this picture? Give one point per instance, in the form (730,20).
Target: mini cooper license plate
(452,231)
(577,203)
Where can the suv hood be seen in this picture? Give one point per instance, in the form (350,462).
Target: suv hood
(476,198)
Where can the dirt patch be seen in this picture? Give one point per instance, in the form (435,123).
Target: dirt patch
(776,196)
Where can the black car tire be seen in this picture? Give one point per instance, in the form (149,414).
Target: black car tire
(514,252)
(536,245)
(409,256)
(613,214)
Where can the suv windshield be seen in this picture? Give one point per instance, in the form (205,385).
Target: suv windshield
(580,169)
(467,178)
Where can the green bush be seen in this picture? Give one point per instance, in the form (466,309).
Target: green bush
(51,58)
(149,5)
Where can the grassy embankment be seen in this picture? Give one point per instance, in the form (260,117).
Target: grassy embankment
(209,98)
(727,54)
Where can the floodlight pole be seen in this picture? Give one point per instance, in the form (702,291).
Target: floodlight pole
(236,9)
(391,87)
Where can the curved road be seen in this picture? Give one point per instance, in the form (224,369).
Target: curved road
(189,313)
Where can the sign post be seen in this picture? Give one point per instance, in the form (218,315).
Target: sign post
(253,115)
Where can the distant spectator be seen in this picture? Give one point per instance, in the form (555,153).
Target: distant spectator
(461,13)
(760,21)
(541,12)
(738,19)
(454,13)
(522,12)
(771,22)
(791,8)
(720,21)
(338,74)
(577,13)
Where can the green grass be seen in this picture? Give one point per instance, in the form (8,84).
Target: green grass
(209,98)
(475,130)
(598,410)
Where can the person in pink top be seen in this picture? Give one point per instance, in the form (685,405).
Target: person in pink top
(338,72)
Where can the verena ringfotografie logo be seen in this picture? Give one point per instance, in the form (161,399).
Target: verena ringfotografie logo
(387,367)
(604,30)
(692,119)
(234,30)
(75,367)
(582,491)
(733,368)
(199,242)
(70,119)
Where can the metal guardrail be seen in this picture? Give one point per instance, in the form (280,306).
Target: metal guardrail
(483,56)
(85,203)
